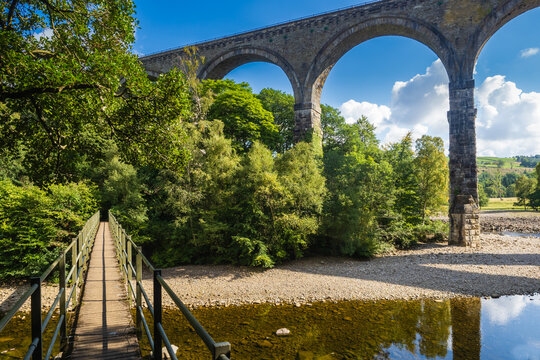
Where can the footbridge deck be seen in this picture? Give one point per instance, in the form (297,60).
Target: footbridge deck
(104,329)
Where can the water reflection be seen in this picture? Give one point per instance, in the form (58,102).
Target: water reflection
(466,328)
(510,233)
(463,328)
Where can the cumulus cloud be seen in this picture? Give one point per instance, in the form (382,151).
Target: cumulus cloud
(508,121)
(503,310)
(353,110)
(418,105)
(525,53)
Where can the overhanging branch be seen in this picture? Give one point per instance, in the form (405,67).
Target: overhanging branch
(45,90)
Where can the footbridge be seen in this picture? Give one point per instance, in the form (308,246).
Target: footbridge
(306,50)
(99,283)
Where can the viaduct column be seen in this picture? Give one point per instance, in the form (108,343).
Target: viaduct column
(464,220)
(307,117)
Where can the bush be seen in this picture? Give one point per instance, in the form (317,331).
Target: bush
(432,231)
(35,224)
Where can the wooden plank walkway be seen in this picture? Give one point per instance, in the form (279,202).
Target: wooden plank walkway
(104,328)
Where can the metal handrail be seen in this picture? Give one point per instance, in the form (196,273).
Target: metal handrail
(124,251)
(262,28)
(83,242)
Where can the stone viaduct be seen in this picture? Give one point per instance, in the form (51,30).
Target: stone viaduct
(308,48)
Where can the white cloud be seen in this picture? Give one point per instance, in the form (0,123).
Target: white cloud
(45,34)
(353,110)
(418,105)
(525,53)
(508,121)
(421,103)
(501,311)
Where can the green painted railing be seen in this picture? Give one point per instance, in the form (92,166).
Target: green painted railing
(79,259)
(125,249)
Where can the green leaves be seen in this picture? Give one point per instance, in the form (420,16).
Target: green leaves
(68,82)
(246,121)
(35,223)
(431,167)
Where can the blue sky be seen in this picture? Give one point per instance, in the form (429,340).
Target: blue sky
(397,82)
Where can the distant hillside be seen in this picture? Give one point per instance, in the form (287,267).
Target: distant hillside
(523,162)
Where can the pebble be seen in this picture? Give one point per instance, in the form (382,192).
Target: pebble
(283,332)
(265,344)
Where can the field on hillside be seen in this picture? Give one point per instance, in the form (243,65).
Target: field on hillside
(504,171)
(503,204)
(494,162)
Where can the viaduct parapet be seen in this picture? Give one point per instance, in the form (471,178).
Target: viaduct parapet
(307,49)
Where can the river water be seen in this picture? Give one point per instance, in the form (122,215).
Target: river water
(461,328)
(510,233)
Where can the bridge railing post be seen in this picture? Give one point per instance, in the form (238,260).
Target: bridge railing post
(123,248)
(62,286)
(35,313)
(157,316)
(80,240)
(74,264)
(138,299)
(129,274)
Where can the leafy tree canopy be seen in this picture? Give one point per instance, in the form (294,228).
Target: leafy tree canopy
(245,119)
(68,82)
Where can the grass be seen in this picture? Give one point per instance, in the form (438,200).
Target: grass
(493,162)
(504,171)
(503,204)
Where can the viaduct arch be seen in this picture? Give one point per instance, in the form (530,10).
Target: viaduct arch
(308,48)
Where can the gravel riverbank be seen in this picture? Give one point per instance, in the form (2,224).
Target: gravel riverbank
(498,265)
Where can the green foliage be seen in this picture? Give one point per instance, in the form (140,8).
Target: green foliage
(189,211)
(279,202)
(69,83)
(245,119)
(483,199)
(431,167)
(360,189)
(525,190)
(35,224)
(401,158)
(281,105)
(332,126)
(121,192)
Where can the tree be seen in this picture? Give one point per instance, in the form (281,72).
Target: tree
(401,157)
(37,223)
(431,168)
(483,199)
(281,105)
(360,190)
(535,197)
(332,126)
(68,82)
(525,187)
(245,119)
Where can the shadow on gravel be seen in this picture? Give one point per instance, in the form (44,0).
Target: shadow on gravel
(434,272)
(8,302)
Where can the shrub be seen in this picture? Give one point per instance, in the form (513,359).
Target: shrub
(36,223)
